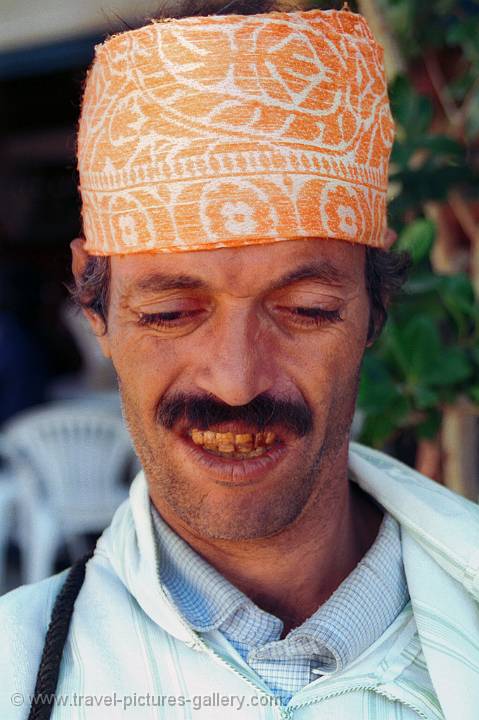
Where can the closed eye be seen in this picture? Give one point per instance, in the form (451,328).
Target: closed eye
(312,316)
(166,319)
(317,312)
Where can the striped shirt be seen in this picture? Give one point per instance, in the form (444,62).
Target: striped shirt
(350,621)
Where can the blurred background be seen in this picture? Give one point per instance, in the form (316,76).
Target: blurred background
(65,458)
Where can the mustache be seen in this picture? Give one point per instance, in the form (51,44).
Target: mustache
(264,410)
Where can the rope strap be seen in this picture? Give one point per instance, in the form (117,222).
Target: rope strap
(49,669)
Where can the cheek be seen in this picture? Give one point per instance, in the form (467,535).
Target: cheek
(333,352)
(326,366)
(145,366)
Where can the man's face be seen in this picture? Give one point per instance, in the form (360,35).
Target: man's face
(239,342)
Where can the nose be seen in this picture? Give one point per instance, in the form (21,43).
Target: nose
(237,362)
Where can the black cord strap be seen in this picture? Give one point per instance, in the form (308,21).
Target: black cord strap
(43,699)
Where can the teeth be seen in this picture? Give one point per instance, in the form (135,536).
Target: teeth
(245,439)
(210,437)
(236,445)
(237,455)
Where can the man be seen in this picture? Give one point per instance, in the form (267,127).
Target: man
(233,174)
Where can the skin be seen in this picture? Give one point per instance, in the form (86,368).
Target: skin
(292,535)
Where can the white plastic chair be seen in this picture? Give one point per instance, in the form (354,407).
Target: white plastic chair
(72,467)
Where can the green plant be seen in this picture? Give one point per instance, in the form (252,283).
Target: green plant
(428,354)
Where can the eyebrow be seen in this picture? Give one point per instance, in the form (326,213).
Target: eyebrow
(159,282)
(323,271)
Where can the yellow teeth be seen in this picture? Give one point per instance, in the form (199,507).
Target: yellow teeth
(236,445)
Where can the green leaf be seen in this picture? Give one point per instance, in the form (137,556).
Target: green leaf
(457,296)
(401,153)
(457,293)
(417,239)
(429,181)
(412,111)
(376,430)
(465,34)
(421,282)
(376,389)
(393,350)
(430,427)
(385,405)
(472,121)
(475,354)
(453,367)
(460,86)
(474,394)
(443,145)
(458,33)
(379,426)
(420,346)
(425,398)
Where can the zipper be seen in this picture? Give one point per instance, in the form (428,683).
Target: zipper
(193,643)
(409,705)
(373,688)
(285,711)
(198,644)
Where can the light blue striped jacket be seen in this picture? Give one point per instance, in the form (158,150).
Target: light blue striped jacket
(130,654)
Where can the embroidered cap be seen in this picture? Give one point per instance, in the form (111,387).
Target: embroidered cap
(223,131)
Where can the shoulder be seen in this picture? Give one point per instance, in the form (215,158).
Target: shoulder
(25,611)
(443,523)
(388,479)
(24,617)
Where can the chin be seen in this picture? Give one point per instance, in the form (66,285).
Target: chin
(222,509)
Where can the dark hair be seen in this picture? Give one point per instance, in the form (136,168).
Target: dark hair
(385,271)
(190,8)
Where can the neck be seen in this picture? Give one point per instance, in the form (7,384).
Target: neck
(295,571)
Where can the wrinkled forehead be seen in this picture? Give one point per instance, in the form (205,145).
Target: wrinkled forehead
(244,271)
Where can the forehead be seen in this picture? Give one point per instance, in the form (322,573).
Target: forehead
(246,270)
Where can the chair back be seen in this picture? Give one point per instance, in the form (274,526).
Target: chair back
(75,459)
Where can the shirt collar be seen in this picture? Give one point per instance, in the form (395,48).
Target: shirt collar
(201,594)
(353,618)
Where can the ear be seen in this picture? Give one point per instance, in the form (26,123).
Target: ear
(80,259)
(390,237)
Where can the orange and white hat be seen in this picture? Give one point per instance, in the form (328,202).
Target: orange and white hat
(223,131)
